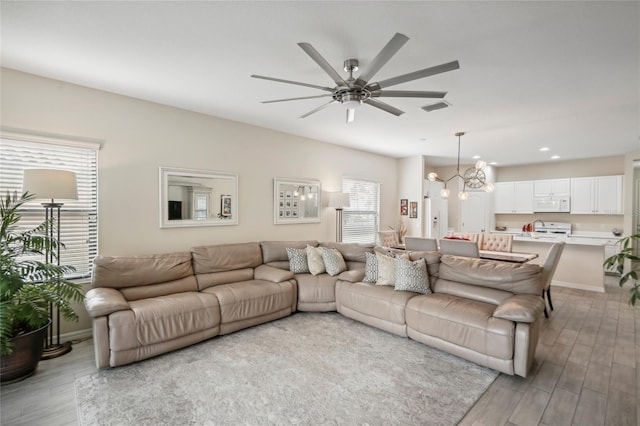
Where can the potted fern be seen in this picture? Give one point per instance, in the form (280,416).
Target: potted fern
(617,261)
(28,287)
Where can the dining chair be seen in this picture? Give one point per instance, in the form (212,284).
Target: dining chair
(459,248)
(389,238)
(496,242)
(549,265)
(420,244)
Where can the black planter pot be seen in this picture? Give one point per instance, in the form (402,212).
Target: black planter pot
(23,361)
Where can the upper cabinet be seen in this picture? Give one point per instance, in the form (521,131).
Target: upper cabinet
(514,197)
(552,188)
(597,195)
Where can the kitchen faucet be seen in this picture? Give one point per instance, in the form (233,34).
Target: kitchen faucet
(534,223)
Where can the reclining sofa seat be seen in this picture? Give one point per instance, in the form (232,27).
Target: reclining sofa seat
(484,311)
(316,293)
(144,306)
(381,306)
(249,292)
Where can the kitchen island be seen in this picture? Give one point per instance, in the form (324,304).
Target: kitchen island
(581,263)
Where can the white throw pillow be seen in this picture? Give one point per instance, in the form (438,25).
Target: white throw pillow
(314,259)
(412,276)
(333,261)
(386,270)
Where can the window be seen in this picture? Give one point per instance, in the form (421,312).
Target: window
(78,218)
(361,221)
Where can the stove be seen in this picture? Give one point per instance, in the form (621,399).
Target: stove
(556,228)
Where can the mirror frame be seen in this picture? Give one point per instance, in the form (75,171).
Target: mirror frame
(314,187)
(166,172)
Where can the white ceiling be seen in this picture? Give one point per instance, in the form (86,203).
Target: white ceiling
(564,75)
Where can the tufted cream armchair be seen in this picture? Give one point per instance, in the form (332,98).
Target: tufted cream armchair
(389,239)
(496,242)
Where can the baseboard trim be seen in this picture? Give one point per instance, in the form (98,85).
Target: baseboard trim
(76,335)
(578,286)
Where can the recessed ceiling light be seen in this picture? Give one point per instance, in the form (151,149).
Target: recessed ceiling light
(544,148)
(493,163)
(475,157)
(555,157)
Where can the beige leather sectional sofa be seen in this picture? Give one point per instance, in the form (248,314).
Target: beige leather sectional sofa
(484,311)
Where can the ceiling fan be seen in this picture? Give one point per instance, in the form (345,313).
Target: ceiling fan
(352,92)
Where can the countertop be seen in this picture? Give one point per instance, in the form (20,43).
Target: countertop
(575,238)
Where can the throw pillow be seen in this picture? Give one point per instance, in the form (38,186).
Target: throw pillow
(333,261)
(297,260)
(412,276)
(314,259)
(370,268)
(386,269)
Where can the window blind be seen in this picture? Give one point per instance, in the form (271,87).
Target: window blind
(361,220)
(78,218)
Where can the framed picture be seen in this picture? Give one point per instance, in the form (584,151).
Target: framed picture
(296,201)
(413,210)
(404,206)
(225,205)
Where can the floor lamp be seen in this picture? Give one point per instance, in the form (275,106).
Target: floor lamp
(53,185)
(338,200)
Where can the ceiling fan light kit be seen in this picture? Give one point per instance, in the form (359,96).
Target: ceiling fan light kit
(474,177)
(352,92)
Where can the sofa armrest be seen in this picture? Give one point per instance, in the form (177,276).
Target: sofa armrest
(354,275)
(520,308)
(104,301)
(270,273)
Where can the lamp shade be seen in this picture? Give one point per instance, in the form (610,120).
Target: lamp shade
(50,184)
(338,200)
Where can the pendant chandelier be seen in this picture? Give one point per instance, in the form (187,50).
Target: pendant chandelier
(474,177)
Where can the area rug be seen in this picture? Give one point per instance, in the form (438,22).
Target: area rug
(306,369)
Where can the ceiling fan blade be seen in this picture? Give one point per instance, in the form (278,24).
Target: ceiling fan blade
(317,57)
(295,99)
(383,106)
(321,107)
(407,94)
(449,66)
(351,115)
(387,52)
(279,80)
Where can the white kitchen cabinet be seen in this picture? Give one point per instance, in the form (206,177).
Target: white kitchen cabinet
(514,197)
(552,187)
(597,195)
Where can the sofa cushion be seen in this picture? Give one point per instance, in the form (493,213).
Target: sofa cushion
(297,260)
(376,301)
(130,271)
(351,252)
(226,257)
(159,319)
(315,289)
(276,251)
(251,299)
(513,277)
(139,277)
(463,322)
(412,276)
(314,259)
(333,261)
(386,270)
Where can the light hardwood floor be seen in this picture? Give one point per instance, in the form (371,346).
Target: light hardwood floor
(587,372)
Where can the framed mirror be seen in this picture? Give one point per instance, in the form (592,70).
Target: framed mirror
(296,201)
(197,198)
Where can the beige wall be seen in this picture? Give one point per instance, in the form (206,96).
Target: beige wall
(138,137)
(410,178)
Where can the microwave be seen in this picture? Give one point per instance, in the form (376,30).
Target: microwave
(551,204)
